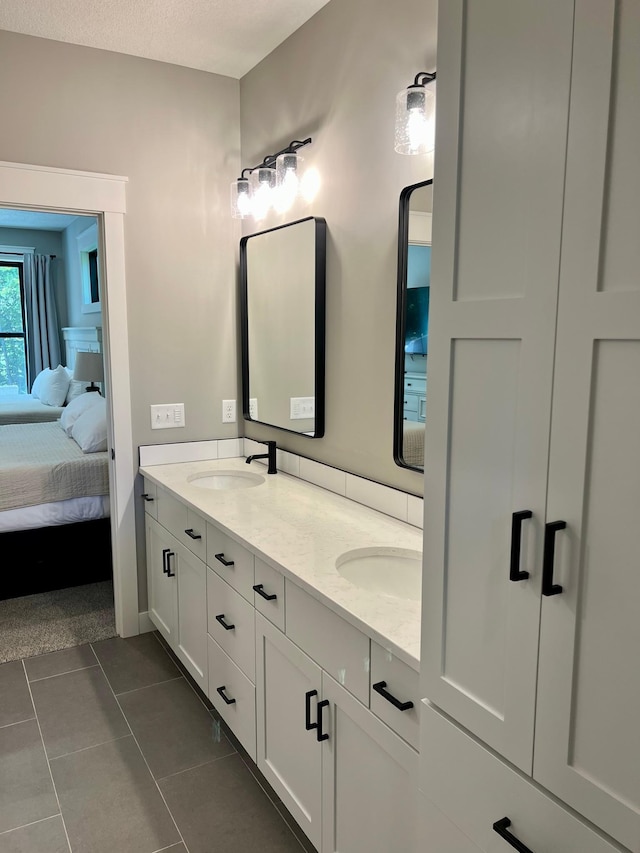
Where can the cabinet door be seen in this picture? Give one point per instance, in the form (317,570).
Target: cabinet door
(587,745)
(161,584)
(191,575)
(289,755)
(369,780)
(494,284)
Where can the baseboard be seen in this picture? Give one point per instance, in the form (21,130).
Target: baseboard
(144,623)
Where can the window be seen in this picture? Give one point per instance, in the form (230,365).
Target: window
(13,341)
(87,243)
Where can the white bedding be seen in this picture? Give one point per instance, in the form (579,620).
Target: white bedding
(25,409)
(53,514)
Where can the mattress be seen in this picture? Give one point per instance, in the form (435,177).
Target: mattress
(54,514)
(40,464)
(413,443)
(25,409)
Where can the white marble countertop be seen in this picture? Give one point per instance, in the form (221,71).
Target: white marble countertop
(301,529)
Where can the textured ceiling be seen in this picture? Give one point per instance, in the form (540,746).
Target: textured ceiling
(222,36)
(33,220)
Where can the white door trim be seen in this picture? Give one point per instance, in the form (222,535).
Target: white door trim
(44,188)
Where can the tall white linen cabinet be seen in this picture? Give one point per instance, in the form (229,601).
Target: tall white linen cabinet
(530,666)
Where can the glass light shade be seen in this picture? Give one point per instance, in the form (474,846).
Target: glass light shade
(288,174)
(416,119)
(240,199)
(263,183)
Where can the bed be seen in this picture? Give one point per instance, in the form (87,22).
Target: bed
(26,409)
(413,443)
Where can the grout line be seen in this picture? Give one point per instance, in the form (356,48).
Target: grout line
(85,748)
(58,674)
(18,722)
(148,686)
(195,767)
(170,847)
(33,823)
(44,749)
(135,740)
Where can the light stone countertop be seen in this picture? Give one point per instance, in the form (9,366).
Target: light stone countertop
(301,529)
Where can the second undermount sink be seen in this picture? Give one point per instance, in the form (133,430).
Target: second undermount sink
(390,571)
(225,480)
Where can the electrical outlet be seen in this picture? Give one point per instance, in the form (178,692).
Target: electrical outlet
(253,408)
(228,411)
(167,416)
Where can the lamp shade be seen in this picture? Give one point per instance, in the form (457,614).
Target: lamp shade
(240,199)
(88,367)
(416,119)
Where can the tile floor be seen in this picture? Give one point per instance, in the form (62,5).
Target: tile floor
(109,748)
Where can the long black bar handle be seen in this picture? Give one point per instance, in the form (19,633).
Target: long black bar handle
(550,530)
(308,696)
(516,537)
(225,625)
(320,734)
(192,535)
(221,559)
(221,690)
(401,706)
(165,551)
(170,574)
(147,497)
(501,827)
(259,588)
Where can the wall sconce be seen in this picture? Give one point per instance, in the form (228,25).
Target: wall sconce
(416,116)
(274,183)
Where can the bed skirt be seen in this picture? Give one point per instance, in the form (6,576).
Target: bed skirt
(55,557)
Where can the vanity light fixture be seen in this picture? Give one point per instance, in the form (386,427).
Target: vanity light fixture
(274,183)
(416,116)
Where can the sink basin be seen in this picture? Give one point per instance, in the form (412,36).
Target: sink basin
(225,480)
(390,571)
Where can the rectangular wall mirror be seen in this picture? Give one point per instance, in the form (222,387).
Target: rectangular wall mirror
(412,324)
(282,303)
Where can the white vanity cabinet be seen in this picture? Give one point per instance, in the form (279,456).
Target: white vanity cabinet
(530,591)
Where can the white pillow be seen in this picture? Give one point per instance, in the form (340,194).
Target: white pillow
(37,383)
(90,430)
(78,407)
(75,387)
(53,386)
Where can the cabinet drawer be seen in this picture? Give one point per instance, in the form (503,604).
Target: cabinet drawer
(172,513)
(239,712)
(231,561)
(401,682)
(149,497)
(411,403)
(418,386)
(339,648)
(238,642)
(272,583)
(475,789)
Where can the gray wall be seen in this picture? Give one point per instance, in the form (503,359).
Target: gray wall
(336,79)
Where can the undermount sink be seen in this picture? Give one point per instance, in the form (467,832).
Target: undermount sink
(390,571)
(225,480)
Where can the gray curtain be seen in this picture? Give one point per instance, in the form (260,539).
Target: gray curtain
(43,342)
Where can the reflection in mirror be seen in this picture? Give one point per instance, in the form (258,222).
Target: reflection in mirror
(282,284)
(412,324)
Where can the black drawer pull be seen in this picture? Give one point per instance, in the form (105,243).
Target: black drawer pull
(516,537)
(170,574)
(548,559)
(259,588)
(147,497)
(226,627)
(220,558)
(320,734)
(308,696)
(192,535)
(165,551)
(500,826)
(221,690)
(401,706)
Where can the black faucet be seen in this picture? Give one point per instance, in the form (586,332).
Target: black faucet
(270,455)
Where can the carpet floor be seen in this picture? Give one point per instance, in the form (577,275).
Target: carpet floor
(50,621)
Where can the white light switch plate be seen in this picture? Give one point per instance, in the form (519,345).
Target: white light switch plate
(167,416)
(302,407)
(253,408)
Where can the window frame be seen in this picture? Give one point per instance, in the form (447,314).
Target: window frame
(19,265)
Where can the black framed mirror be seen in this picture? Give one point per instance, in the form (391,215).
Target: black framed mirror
(282,305)
(412,324)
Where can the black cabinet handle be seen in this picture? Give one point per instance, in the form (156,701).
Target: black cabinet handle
(192,535)
(308,696)
(259,588)
(401,706)
(221,690)
(516,537)
(500,826)
(320,734)
(147,497)
(226,627)
(165,551)
(550,530)
(220,558)
(170,574)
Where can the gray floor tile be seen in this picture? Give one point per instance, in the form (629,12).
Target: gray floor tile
(77,710)
(183,671)
(135,662)
(47,836)
(26,792)
(15,700)
(57,663)
(221,806)
(173,728)
(110,802)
